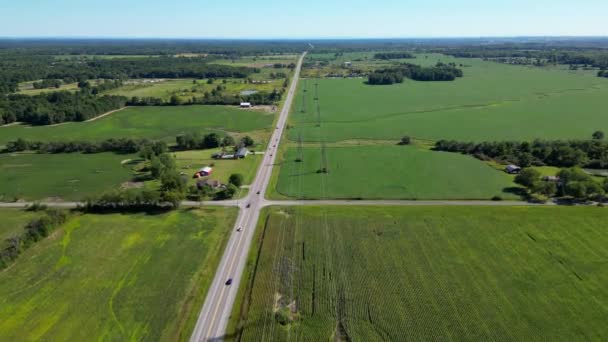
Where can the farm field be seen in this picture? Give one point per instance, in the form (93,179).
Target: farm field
(426,273)
(491,102)
(146,122)
(70,176)
(414,173)
(115,277)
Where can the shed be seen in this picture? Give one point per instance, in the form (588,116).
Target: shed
(512,169)
(245,104)
(206,171)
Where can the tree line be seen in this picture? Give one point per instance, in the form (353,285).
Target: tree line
(116,145)
(602,73)
(393,55)
(439,72)
(34,231)
(581,153)
(56,107)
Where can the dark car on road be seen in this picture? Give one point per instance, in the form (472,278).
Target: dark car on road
(229,281)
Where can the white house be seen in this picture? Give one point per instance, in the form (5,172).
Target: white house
(512,169)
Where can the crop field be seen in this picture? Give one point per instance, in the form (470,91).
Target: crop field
(414,173)
(114,277)
(427,273)
(146,122)
(491,102)
(188,88)
(71,176)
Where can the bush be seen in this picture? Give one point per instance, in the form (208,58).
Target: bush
(406,140)
(236,179)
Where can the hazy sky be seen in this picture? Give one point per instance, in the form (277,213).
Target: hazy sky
(302,19)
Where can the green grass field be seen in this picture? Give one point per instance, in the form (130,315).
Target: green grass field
(146,122)
(491,102)
(70,176)
(114,278)
(427,273)
(414,173)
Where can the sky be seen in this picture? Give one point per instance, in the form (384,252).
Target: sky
(302,19)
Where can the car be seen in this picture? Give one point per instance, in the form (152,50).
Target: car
(248,205)
(229,282)
(258,192)
(239,229)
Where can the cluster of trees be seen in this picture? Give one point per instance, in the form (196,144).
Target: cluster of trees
(128,200)
(45,84)
(16,67)
(56,107)
(212,98)
(34,231)
(393,55)
(198,193)
(162,166)
(602,73)
(87,87)
(194,141)
(116,145)
(540,54)
(439,72)
(571,182)
(584,153)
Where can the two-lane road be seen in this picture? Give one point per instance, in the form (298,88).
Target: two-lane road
(213,319)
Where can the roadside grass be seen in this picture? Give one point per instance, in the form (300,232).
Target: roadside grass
(162,123)
(115,277)
(426,273)
(70,176)
(390,172)
(491,102)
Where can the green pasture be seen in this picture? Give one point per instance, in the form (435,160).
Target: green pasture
(426,274)
(164,122)
(491,102)
(390,172)
(71,176)
(13,221)
(115,278)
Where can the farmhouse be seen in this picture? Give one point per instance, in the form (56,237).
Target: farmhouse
(212,183)
(242,153)
(512,169)
(246,105)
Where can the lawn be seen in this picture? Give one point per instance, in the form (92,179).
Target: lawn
(414,173)
(71,176)
(115,277)
(427,274)
(146,122)
(491,102)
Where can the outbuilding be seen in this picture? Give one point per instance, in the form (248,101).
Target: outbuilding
(245,104)
(206,171)
(513,169)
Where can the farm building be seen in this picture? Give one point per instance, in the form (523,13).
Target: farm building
(512,169)
(245,104)
(212,183)
(242,153)
(204,172)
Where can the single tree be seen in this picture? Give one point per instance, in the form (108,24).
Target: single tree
(527,177)
(236,179)
(405,140)
(598,135)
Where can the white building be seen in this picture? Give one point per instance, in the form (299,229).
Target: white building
(245,105)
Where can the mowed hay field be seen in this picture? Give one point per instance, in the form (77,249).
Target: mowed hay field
(163,122)
(491,102)
(69,176)
(414,173)
(115,278)
(427,273)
